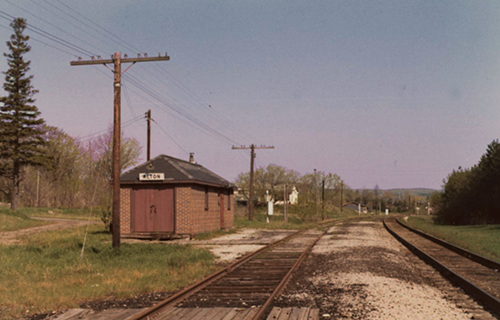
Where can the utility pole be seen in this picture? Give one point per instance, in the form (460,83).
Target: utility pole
(252,157)
(323,201)
(148,117)
(285,205)
(117,61)
(37,188)
(316,191)
(341,196)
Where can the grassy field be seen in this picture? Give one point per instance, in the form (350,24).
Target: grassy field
(10,221)
(45,272)
(480,239)
(78,214)
(298,217)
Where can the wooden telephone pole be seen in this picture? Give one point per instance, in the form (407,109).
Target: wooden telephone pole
(148,117)
(117,61)
(323,201)
(341,196)
(252,157)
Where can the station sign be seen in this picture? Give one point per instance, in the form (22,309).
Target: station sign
(151,176)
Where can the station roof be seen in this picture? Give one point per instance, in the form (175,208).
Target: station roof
(174,171)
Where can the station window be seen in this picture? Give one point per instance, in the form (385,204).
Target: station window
(206,198)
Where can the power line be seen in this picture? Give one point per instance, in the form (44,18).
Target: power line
(186,114)
(81,15)
(50,24)
(170,136)
(127,100)
(49,35)
(166,103)
(100,133)
(205,107)
(199,124)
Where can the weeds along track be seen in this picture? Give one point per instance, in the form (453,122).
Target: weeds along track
(249,284)
(476,275)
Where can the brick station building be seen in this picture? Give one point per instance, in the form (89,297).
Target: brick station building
(168,197)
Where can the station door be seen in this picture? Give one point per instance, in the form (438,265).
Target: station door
(153,209)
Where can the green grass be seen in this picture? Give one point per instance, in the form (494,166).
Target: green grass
(298,217)
(11,221)
(45,272)
(480,239)
(65,213)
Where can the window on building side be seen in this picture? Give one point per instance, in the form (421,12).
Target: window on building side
(206,198)
(229,200)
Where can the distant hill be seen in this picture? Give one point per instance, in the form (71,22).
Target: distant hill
(421,192)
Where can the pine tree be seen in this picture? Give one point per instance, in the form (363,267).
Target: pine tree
(21,133)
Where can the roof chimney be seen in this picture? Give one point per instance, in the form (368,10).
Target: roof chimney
(191,157)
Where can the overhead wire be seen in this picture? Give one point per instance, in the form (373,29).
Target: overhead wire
(48,35)
(176,109)
(177,104)
(101,133)
(42,42)
(200,125)
(99,36)
(121,41)
(208,110)
(175,115)
(177,83)
(128,102)
(51,24)
(164,131)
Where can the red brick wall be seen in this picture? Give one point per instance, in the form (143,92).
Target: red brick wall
(201,220)
(190,214)
(182,213)
(228,214)
(125,194)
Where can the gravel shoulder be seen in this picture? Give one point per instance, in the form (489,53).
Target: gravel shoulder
(358,271)
(230,247)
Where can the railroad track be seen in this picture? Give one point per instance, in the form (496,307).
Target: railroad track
(244,289)
(476,275)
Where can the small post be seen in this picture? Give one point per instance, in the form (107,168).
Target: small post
(323,202)
(37,188)
(250,200)
(285,211)
(316,191)
(148,116)
(341,196)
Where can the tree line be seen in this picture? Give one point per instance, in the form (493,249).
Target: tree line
(470,196)
(41,165)
(273,179)
(77,173)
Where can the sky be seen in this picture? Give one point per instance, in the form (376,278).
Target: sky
(389,93)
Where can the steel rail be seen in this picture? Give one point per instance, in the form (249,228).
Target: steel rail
(176,298)
(285,280)
(490,301)
(461,251)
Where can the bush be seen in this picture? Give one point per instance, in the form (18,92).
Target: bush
(107,217)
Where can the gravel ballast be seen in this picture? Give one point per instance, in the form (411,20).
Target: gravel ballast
(358,271)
